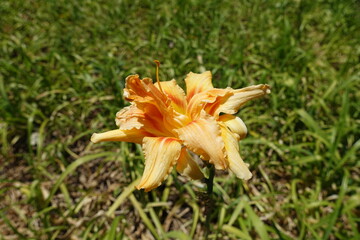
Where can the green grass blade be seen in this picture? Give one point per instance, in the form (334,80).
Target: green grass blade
(157,223)
(177,235)
(195,219)
(120,199)
(71,168)
(239,207)
(143,216)
(235,231)
(258,224)
(111,234)
(338,205)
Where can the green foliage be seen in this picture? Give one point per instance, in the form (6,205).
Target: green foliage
(62,70)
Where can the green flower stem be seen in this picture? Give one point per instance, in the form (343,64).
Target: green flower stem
(210,185)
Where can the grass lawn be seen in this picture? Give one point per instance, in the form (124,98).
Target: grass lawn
(62,71)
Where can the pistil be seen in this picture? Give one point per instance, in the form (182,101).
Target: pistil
(157,74)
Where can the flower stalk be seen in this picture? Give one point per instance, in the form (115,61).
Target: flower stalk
(210,201)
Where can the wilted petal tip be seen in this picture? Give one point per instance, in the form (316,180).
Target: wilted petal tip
(94,138)
(266,88)
(247,176)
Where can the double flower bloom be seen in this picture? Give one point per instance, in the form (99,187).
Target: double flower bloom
(169,123)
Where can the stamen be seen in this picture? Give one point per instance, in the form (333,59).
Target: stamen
(157,74)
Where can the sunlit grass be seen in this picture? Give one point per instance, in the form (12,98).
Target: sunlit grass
(62,71)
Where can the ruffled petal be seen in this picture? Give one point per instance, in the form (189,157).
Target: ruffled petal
(161,154)
(145,95)
(175,93)
(129,118)
(197,83)
(235,124)
(133,135)
(154,121)
(236,164)
(143,90)
(203,137)
(187,166)
(207,100)
(241,96)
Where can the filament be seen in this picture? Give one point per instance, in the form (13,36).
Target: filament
(157,74)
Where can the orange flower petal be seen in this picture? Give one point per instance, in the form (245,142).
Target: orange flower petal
(160,123)
(129,118)
(161,154)
(175,93)
(206,100)
(133,135)
(143,90)
(235,124)
(145,95)
(217,97)
(236,164)
(148,118)
(187,166)
(197,83)
(242,96)
(203,137)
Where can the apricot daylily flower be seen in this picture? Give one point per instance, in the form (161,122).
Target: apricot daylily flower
(170,124)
